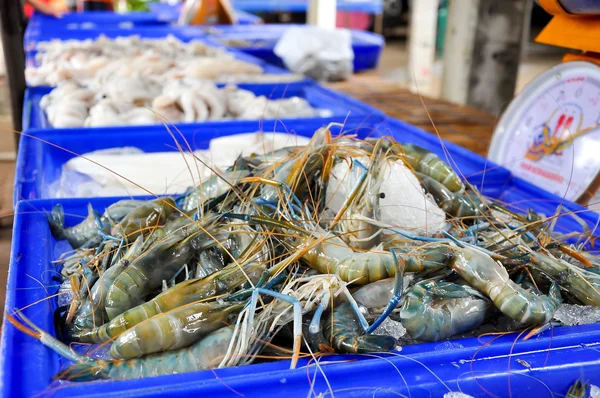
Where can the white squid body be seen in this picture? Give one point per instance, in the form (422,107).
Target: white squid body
(228,148)
(67,105)
(162,172)
(400,200)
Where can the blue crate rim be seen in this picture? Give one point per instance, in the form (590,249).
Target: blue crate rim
(362,111)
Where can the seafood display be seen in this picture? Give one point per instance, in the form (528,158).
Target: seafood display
(128,100)
(93,60)
(302,251)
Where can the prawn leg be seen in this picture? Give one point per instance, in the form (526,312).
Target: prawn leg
(540,329)
(45,338)
(346,334)
(295,303)
(396,295)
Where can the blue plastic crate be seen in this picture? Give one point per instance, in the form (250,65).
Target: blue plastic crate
(41,157)
(45,33)
(184,34)
(544,366)
(159,14)
(39,164)
(367,46)
(366,6)
(98,18)
(342,107)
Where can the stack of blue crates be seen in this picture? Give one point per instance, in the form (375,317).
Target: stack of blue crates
(493,365)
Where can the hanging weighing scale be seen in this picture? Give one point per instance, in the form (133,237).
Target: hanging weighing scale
(550,133)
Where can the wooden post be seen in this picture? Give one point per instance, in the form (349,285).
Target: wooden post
(458,49)
(322,13)
(421,47)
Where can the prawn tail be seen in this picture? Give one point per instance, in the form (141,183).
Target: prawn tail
(80,334)
(29,328)
(56,220)
(86,371)
(375,343)
(579,389)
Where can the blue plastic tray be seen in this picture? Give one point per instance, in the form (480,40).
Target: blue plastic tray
(98,18)
(342,106)
(542,367)
(39,164)
(184,34)
(41,157)
(366,6)
(45,33)
(367,46)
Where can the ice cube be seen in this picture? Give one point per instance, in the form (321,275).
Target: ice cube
(573,314)
(457,395)
(65,294)
(392,328)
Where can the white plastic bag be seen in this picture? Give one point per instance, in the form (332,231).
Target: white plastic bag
(322,54)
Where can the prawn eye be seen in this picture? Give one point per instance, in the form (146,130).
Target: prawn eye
(125,262)
(382,195)
(562,276)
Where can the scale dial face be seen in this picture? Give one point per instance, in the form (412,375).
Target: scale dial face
(549,135)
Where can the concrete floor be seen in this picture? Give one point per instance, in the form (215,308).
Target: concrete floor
(392,66)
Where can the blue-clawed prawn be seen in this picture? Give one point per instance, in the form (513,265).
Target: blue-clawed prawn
(88,229)
(92,311)
(200,356)
(581,284)
(428,163)
(159,263)
(484,274)
(173,330)
(183,293)
(436,310)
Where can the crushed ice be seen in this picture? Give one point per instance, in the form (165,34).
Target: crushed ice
(457,395)
(573,314)
(65,293)
(392,328)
